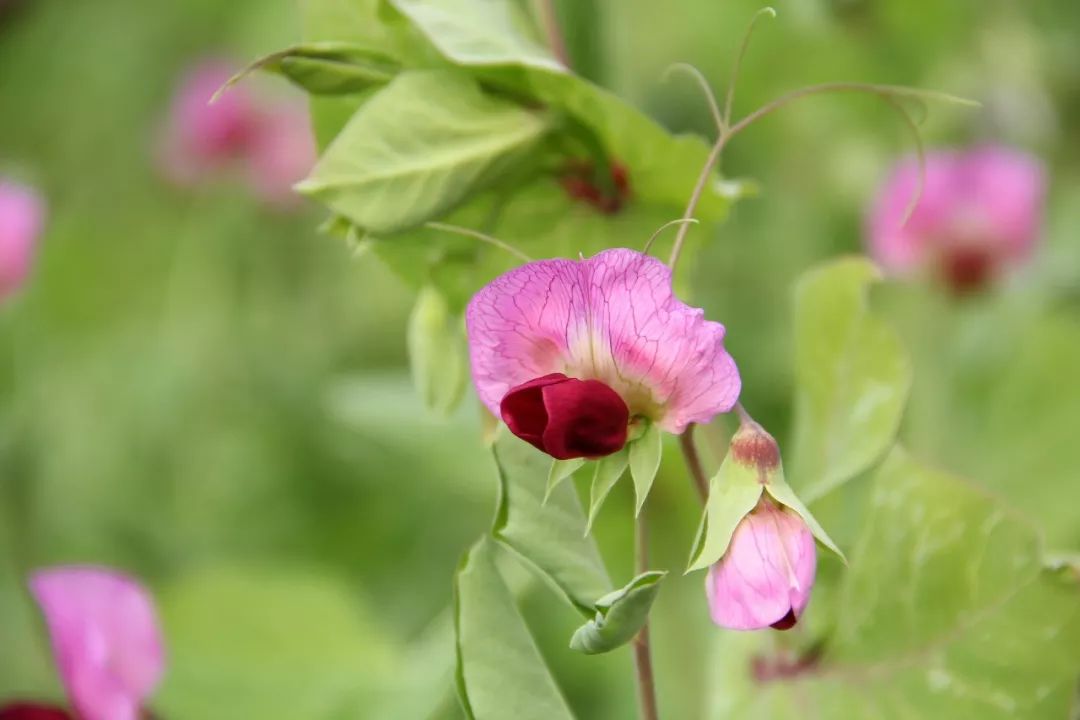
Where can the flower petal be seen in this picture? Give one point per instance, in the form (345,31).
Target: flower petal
(105,639)
(21,216)
(611,318)
(766,573)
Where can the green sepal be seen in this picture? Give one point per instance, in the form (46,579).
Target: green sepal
(608,471)
(645,453)
(782,493)
(620,615)
(437,354)
(326,68)
(733,492)
(560,470)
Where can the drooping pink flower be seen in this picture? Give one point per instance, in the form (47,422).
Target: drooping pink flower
(980,212)
(765,576)
(105,639)
(611,321)
(22,214)
(282,153)
(201,137)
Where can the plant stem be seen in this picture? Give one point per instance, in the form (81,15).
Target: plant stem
(642,656)
(693,463)
(554,32)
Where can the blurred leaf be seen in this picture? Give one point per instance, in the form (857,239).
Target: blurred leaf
(619,615)
(944,613)
(420,146)
(645,454)
(267,645)
(329,68)
(560,470)
(733,492)
(608,470)
(437,354)
(500,672)
(852,377)
(549,537)
(479,33)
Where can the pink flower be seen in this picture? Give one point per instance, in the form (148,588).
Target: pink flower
(200,138)
(105,639)
(22,214)
(282,154)
(764,578)
(611,321)
(980,212)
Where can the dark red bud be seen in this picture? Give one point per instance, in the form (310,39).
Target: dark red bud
(755,447)
(566,417)
(967,269)
(32,711)
(787,622)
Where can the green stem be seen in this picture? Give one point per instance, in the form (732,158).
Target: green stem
(642,654)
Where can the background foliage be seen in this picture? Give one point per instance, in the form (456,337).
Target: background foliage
(217,398)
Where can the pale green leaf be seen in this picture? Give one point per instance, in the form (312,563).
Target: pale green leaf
(733,492)
(645,453)
(560,470)
(619,615)
(467,32)
(549,537)
(329,68)
(852,377)
(417,148)
(280,645)
(437,353)
(500,672)
(945,612)
(608,470)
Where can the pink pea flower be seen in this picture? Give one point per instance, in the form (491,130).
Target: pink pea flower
(282,153)
(22,214)
(567,352)
(980,213)
(105,640)
(201,138)
(765,577)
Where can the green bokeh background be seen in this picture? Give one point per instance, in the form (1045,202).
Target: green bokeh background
(214,397)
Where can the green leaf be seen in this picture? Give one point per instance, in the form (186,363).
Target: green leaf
(608,471)
(733,492)
(491,39)
(500,673)
(479,33)
(328,68)
(944,613)
(268,644)
(549,537)
(645,455)
(619,615)
(419,147)
(560,470)
(437,355)
(852,377)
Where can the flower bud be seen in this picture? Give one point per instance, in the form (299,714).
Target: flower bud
(765,576)
(21,217)
(32,711)
(566,417)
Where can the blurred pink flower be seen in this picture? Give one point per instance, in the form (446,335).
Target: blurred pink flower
(105,639)
(980,212)
(200,138)
(566,351)
(765,577)
(282,153)
(22,213)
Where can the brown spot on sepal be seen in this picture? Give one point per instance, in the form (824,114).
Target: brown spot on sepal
(754,447)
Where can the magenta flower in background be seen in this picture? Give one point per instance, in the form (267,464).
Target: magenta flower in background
(979,214)
(106,642)
(282,153)
(201,138)
(567,352)
(765,577)
(22,214)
